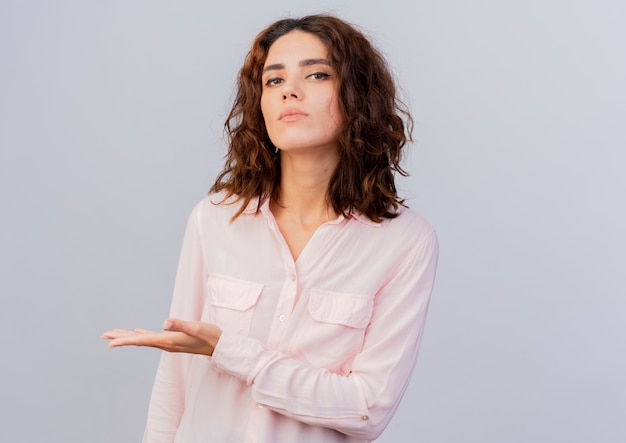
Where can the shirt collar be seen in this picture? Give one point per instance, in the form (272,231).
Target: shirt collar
(363,219)
(253,207)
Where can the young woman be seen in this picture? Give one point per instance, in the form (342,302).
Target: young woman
(304,281)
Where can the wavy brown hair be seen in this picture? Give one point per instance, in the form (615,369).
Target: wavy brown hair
(376,124)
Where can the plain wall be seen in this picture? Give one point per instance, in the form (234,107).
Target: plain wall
(111,119)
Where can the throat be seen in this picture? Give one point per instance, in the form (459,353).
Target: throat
(297,228)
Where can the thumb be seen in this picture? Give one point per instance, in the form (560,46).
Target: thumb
(173,324)
(191,328)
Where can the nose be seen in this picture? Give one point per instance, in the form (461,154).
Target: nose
(291,91)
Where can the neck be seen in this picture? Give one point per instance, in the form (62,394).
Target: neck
(303,187)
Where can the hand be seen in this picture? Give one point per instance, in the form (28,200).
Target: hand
(192,337)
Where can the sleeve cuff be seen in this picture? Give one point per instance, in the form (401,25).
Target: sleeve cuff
(236,355)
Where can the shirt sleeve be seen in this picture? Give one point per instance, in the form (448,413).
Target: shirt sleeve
(361,403)
(167,400)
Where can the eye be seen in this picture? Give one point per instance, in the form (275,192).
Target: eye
(273,81)
(319,75)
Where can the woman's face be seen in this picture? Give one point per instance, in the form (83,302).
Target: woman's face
(299,99)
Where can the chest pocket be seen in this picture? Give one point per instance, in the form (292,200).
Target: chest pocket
(352,310)
(230,303)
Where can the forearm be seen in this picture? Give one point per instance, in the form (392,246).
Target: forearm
(310,395)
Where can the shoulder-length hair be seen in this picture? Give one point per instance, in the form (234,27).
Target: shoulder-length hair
(376,125)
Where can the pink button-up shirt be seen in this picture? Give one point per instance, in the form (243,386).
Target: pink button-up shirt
(318,350)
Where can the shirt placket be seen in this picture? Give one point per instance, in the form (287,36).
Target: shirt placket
(289,291)
(282,313)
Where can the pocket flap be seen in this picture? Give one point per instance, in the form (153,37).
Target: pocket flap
(232,293)
(353,310)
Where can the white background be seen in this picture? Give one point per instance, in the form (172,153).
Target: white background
(111,119)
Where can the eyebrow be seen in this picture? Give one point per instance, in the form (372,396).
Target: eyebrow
(303,63)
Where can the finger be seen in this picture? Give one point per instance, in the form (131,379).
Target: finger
(167,341)
(116,333)
(135,339)
(143,331)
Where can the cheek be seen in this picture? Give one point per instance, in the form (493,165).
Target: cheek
(335,112)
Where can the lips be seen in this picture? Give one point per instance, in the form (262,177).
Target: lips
(292,115)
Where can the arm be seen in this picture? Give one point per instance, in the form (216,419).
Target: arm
(361,403)
(167,401)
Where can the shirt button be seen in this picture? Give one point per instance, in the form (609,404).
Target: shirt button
(282,317)
(292,277)
(364,417)
(259,405)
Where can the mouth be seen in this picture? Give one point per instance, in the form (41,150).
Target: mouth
(292,115)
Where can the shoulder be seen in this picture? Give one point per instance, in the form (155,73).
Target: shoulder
(411,217)
(216,203)
(407,235)
(213,208)
(414,238)
(410,224)
(219,209)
